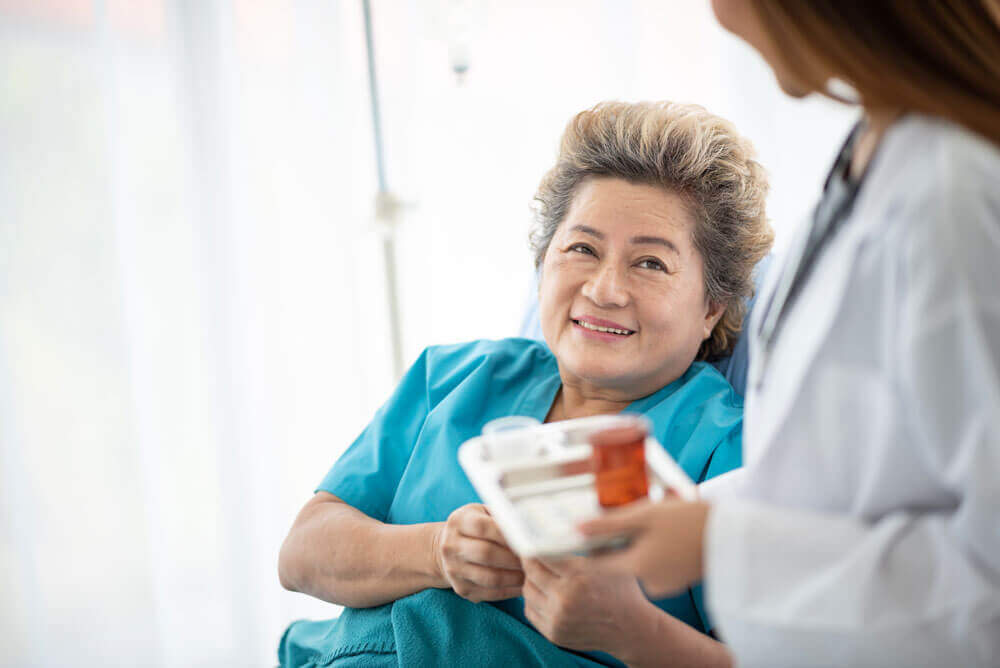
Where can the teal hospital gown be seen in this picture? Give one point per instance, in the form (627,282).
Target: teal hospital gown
(403,469)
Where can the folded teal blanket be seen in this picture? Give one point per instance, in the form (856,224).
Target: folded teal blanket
(429,628)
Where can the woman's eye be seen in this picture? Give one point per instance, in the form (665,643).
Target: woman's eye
(650,263)
(582,248)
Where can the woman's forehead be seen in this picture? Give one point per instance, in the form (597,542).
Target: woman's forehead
(616,208)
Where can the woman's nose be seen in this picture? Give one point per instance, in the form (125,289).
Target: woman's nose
(606,287)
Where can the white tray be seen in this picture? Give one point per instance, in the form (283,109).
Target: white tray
(537,483)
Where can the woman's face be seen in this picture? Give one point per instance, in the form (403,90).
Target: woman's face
(739,18)
(622,297)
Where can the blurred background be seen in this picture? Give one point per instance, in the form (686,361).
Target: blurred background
(193,293)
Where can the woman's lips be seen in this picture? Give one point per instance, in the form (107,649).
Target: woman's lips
(599,324)
(593,328)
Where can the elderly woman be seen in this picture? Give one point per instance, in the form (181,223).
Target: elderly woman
(648,228)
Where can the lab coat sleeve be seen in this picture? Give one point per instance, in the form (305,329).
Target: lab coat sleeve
(722,486)
(793,588)
(912,587)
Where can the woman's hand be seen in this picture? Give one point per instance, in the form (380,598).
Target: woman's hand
(578,608)
(665,551)
(473,557)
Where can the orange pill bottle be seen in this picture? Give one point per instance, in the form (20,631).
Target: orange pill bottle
(619,463)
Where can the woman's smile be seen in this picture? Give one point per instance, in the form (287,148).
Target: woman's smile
(599,329)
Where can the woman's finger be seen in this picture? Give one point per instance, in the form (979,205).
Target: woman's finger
(534,601)
(478,524)
(538,573)
(475,593)
(533,615)
(615,561)
(628,519)
(489,554)
(503,593)
(490,578)
(562,567)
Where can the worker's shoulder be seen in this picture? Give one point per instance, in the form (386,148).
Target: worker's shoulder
(928,164)
(932,207)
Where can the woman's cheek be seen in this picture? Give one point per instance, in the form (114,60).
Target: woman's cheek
(560,261)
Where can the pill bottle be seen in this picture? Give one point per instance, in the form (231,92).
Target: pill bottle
(619,461)
(509,437)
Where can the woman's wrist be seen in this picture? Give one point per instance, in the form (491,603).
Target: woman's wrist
(698,513)
(435,567)
(654,636)
(409,553)
(640,633)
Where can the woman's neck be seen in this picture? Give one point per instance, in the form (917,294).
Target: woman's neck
(877,121)
(577,401)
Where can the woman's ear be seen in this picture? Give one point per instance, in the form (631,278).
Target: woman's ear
(712,316)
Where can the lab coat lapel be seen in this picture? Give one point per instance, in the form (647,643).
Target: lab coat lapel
(776,378)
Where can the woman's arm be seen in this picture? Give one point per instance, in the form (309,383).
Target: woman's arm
(659,638)
(577,607)
(338,554)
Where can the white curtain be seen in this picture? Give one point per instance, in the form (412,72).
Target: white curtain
(192,315)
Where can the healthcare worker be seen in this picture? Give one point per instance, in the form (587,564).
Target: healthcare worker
(865,527)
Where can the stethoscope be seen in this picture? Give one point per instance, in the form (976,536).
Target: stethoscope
(834,207)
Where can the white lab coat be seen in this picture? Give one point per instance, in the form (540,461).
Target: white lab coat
(865,527)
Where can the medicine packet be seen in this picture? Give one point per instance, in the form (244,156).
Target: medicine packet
(538,483)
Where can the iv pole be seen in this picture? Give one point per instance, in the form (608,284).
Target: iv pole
(386,205)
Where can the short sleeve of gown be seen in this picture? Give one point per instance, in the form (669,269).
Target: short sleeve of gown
(367,474)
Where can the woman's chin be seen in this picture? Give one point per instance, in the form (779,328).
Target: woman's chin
(611,376)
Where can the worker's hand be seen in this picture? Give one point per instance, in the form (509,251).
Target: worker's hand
(665,543)
(577,607)
(473,557)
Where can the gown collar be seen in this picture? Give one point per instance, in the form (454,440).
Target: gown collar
(537,401)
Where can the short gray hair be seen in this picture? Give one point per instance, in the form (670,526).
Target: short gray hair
(686,150)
